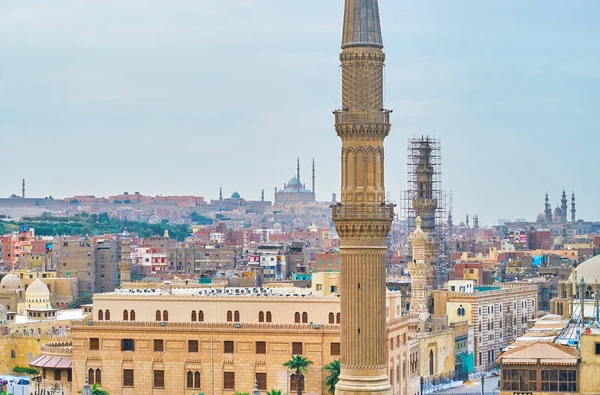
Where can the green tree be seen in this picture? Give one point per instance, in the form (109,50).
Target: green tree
(76,303)
(333,368)
(274,392)
(96,390)
(299,364)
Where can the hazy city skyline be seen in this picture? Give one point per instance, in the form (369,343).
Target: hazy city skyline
(187,96)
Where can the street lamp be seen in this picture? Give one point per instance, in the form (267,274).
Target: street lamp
(482,384)
(256,391)
(87,390)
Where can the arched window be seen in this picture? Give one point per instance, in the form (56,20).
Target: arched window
(157,315)
(91,377)
(338,318)
(98,377)
(190,380)
(197,380)
(294,383)
(100,315)
(165,316)
(194,316)
(201,316)
(229,316)
(125,315)
(305,318)
(331,318)
(431,363)
(107,315)
(132,315)
(297,318)
(269,316)
(261,317)
(236,316)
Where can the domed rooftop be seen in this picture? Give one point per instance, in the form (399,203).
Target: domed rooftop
(541,217)
(589,271)
(11,281)
(235,195)
(293,182)
(557,211)
(37,290)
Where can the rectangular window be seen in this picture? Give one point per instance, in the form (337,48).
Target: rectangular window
(597,348)
(159,379)
(94,343)
(296,348)
(228,347)
(335,349)
(261,347)
(159,345)
(261,381)
(57,376)
(127,377)
(127,345)
(229,381)
(192,345)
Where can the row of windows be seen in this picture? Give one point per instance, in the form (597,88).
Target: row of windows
(193,346)
(193,380)
(232,316)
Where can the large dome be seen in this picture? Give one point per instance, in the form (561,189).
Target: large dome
(11,281)
(235,195)
(589,270)
(37,290)
(293,182)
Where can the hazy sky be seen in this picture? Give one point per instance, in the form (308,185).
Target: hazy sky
(184,96)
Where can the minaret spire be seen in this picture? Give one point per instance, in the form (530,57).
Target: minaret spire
(362,27)
(573,211)
(313,179)
(298,170)
(362,124)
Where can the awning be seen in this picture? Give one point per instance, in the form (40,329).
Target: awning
(518,361)
(44,361)
(558,361)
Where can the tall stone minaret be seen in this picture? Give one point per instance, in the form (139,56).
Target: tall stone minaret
(564,207)
(363,220)
(547,210)
(421,274)
(573,211)
(313,180)
(125,262)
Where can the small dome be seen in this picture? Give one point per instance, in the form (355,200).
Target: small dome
(589,271)
(37,290)
(541,217)
(293,182)
(11,281)
(235,195)
(557,212)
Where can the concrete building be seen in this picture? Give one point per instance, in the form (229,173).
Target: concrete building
(75,259)
(363,220)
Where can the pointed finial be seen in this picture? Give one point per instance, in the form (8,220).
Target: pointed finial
(298,170)
(418,223)
(362,27)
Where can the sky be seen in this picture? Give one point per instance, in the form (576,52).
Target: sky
(182,97)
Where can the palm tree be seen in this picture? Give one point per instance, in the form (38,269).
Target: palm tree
(300,365)
(274,392)
(334,375)
(96,390)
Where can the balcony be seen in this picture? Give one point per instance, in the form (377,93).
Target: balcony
(362,117)
(381,211)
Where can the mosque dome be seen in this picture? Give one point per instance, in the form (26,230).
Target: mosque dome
(589,271)
(37,291)
(541,217)
(235,195)
(293,182)
(312,228)
(557,212)
(11,281)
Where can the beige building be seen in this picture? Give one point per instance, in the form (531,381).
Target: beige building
(499,313)
(219,341)
(14,285)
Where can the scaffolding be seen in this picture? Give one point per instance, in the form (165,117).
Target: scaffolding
(442,228)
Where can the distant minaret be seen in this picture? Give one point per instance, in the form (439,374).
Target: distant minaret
(313,180)
(23,190)
(573,218)
(221,193)
(564,207)
(298,170)
(467,220)
(548,210)
(476,222)
(125,263)
(262,196)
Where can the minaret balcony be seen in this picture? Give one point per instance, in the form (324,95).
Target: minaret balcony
(347,116)
(381,211)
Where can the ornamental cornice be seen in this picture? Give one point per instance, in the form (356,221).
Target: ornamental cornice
(375,56)
(363,131)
